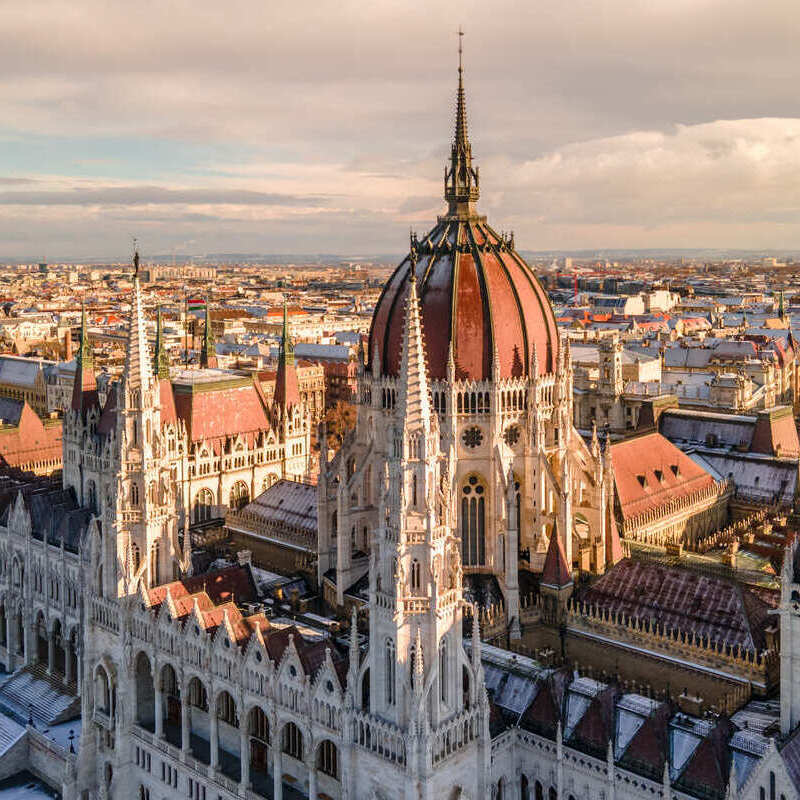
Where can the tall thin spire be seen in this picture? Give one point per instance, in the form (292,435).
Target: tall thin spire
(85,358)
(138,371)
(208,352)
(461,179)
(161,360)
(414,402)
(287,387)
(84,388)
(287,347)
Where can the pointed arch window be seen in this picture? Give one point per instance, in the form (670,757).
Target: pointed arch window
(203,503)
(390,667)
(473,522)
(154,566)
(415,575)
(134,495)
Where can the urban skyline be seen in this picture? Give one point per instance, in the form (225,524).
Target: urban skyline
(318,129)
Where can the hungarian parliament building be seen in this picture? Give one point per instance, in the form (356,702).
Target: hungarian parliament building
(481,629)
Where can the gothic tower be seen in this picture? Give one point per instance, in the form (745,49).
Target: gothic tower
(145,522)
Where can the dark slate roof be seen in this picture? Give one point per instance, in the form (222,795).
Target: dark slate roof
(682,599)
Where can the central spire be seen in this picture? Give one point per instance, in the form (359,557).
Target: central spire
(461,179)
(138,370)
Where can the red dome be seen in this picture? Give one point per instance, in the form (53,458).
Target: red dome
(475,292)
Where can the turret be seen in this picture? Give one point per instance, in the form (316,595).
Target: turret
(208,351)
(84,389)
(161,360)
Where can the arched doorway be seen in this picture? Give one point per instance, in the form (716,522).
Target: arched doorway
(42,644)
(59,655)
(145,693)
(71,675)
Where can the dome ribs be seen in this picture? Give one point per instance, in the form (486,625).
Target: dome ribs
(547,359)
(515,369)
(486,295)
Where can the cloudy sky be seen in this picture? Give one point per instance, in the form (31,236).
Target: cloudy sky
(304,126)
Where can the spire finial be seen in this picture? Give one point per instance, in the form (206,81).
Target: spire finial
(413,254)
(461,179)
(161,360)
(135,258)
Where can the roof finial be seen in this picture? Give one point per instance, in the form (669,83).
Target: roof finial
(461,179)
(413,254)
(135,258)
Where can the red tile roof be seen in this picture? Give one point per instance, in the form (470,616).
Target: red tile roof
(650,472)
(216,412)
(30,441)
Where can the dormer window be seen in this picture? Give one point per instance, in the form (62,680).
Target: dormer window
(659,475)
(675,470)
(642,481)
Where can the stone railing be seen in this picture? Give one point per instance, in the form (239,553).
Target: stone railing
(454,735)
(379,737)
(249,523)
(105,613)
(647,634)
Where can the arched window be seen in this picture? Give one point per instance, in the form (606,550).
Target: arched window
(328,759)
(136,558)
(259,725)
(415,575)
(226,709)
(134,495)
(473,522)
(203,503)
(198,697)
(102,692)
(414,490)
(155,573)
(239,496)
(151,492)
(391,665)
(293,741)
(92,496)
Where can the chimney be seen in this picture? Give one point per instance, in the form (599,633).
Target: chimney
(68,345)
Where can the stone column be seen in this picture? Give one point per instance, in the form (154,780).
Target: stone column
(277,770)
(185,722)
(158,707)
(312,782)
(244,752)
(213,724)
